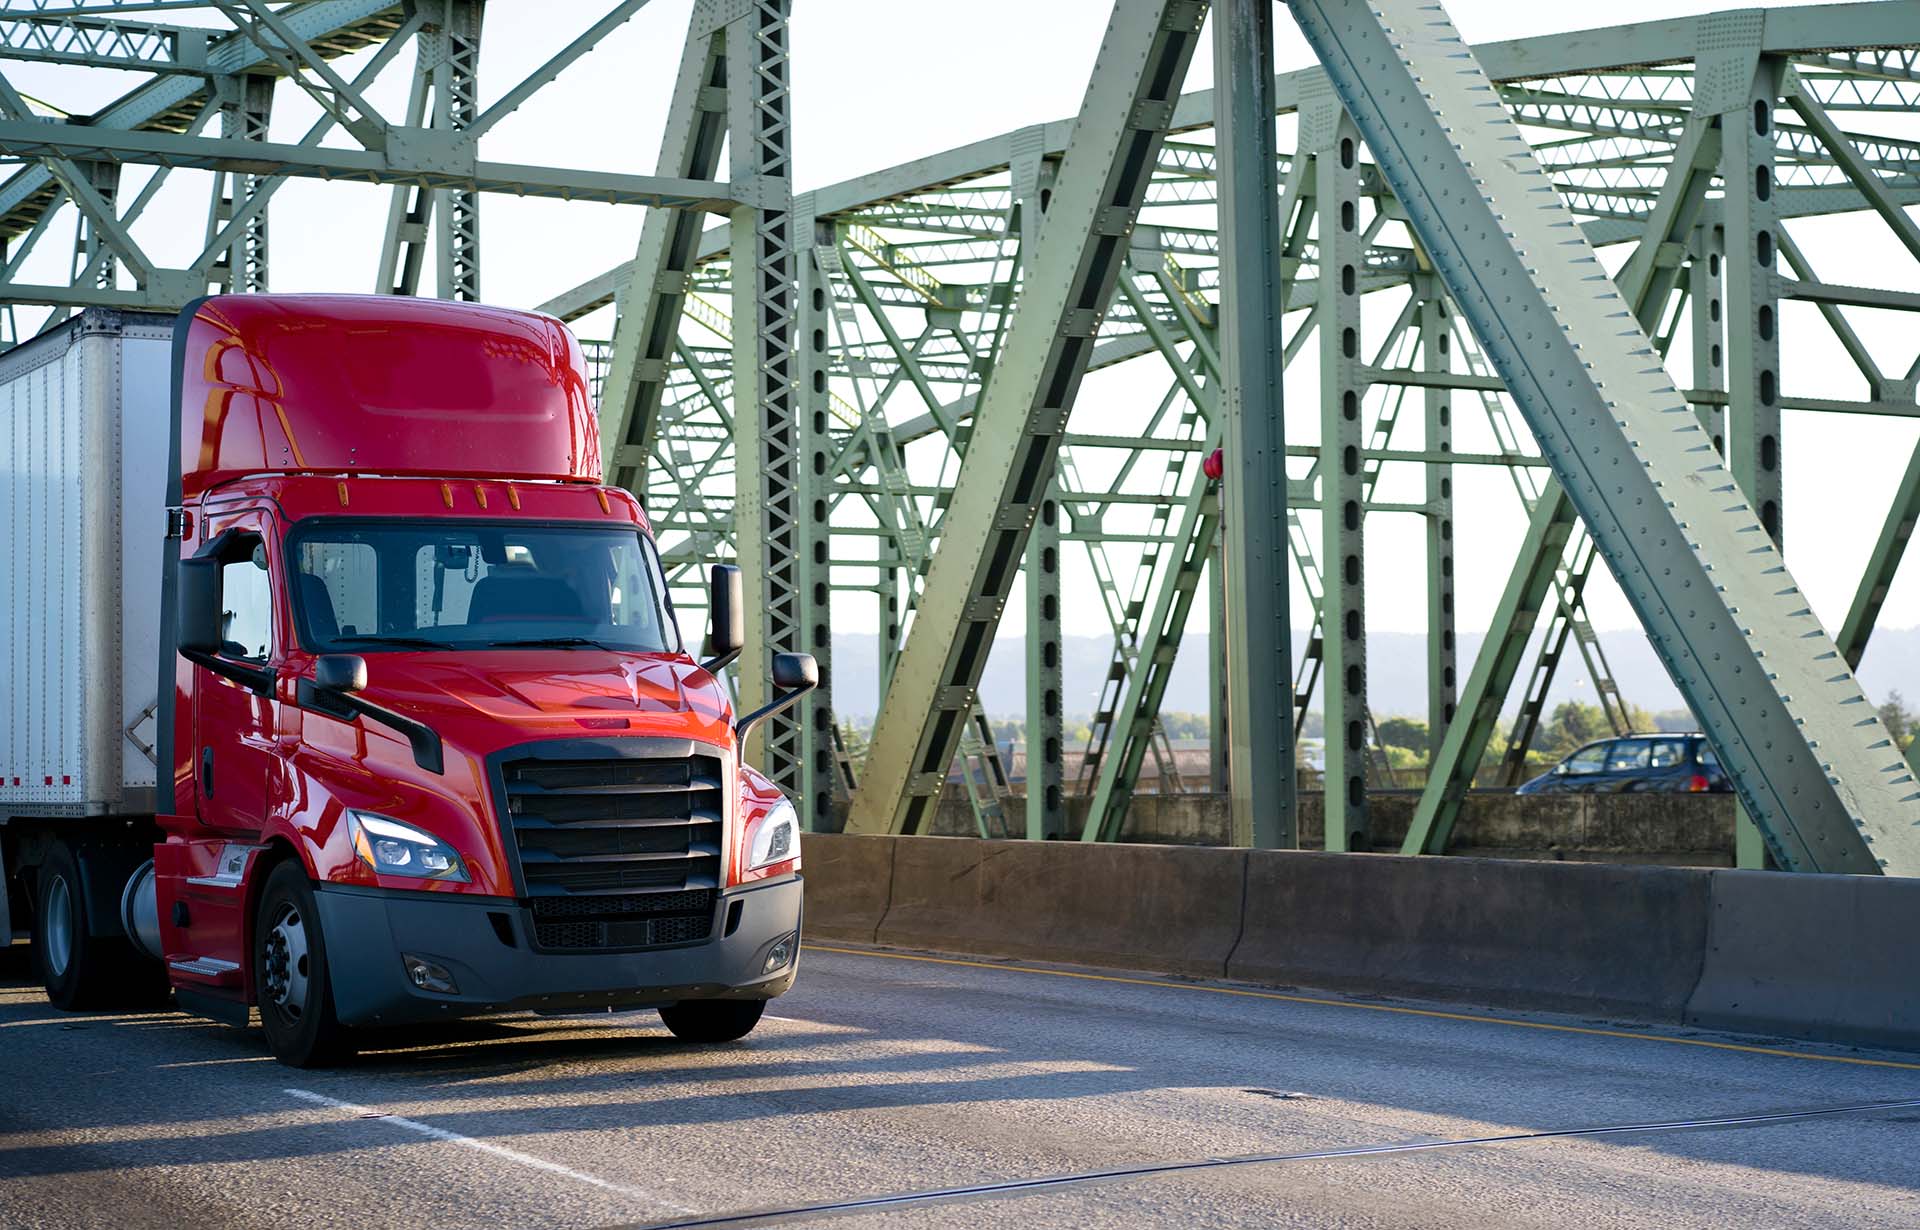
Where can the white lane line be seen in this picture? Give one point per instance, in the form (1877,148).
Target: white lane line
(501,1151)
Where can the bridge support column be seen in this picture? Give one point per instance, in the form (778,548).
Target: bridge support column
(1259,638)
(1326,131)
(1046,804)
(1435,344)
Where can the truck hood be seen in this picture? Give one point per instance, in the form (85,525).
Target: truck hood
(492,699)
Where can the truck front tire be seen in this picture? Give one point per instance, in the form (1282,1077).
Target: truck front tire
(290,974)
(713,1020)
(80,970)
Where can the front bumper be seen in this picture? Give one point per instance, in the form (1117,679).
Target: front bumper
(367,930)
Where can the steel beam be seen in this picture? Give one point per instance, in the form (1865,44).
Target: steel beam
(1219,771)
(287,50)
(1706,308)
(342,25)
(1644,283)
(769,539)
(1751,425)
(1330,135)
(556,64)
(654,289)
(455,49)
(1464,744)
(1828,789)
(39,139)
(1252,428)
(1442,686)
(246,108)
(817,778)
(105,42)
(403,246)
(1161,630)
(1751,292)
(1069,282)
(1046,784)
(1897,528)
(1889,545)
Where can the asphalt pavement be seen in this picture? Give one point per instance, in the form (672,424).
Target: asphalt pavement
(910,1091)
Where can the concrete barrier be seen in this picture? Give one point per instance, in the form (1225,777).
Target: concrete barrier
(1827,957)
(848,882)
(1564,936)
(1167,908)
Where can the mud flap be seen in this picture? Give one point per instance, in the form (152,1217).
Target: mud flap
(6,908)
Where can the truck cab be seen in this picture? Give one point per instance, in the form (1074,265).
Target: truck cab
(429,741)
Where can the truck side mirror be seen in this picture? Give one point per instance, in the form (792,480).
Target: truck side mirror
(197,595)
(795,674)
(795,671)
(727,627)
(336,679)
(340,672)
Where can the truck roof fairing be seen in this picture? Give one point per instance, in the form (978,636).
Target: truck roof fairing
(379,384)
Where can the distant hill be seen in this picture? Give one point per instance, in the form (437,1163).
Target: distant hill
(1396,674)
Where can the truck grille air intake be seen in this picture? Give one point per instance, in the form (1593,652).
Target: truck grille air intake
(617,852)
(636,920)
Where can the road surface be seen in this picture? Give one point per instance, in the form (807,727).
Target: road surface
(1027,1095)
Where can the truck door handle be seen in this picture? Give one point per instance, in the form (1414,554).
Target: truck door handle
(206,770)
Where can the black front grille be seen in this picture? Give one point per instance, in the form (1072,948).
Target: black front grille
(640,920)
(553,909)
(615,837)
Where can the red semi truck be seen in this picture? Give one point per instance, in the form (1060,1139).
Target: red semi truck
(424,739)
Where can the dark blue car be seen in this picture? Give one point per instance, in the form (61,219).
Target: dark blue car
(1679,763)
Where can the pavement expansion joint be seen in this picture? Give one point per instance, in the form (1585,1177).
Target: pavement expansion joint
(1014,1188)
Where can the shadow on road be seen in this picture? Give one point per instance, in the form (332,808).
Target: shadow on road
(16,965)
(183,1091)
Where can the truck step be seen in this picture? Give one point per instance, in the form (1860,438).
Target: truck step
(208,971)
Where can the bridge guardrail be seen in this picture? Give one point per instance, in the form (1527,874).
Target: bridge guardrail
(1827,958)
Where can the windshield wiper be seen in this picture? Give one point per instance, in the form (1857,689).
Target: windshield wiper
(555,642)
(403,642)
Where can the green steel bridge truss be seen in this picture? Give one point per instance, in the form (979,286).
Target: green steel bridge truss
(885,401)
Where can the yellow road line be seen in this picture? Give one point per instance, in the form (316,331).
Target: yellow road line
(1392,1008)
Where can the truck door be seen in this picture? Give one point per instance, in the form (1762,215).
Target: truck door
(233,726)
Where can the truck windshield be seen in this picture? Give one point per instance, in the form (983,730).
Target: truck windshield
(364,586)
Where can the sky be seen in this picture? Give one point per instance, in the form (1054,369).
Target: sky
(877,82)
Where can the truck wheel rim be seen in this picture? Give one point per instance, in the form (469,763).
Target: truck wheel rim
(287,961)
(59,926)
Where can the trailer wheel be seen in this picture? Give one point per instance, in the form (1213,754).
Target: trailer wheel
(82,971)
(290,974)
(713,1020)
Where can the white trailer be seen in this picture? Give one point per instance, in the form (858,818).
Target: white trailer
(84,422)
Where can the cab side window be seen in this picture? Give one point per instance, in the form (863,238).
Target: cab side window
(246,604)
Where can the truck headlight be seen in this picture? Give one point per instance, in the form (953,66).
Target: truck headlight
(395,849)
(774,837)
